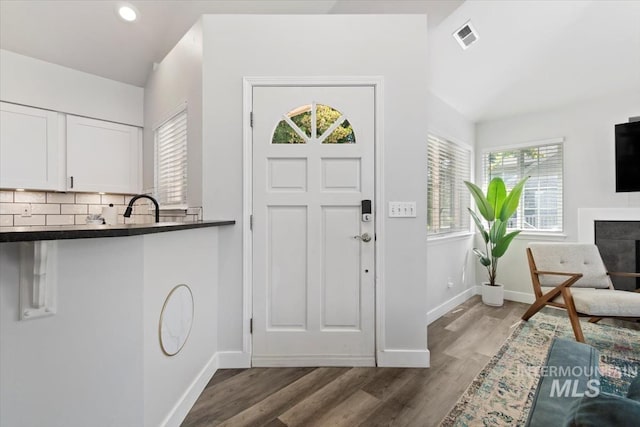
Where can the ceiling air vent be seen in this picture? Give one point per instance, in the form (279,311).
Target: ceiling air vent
(466,35)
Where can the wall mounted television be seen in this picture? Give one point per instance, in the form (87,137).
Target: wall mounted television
(628,157)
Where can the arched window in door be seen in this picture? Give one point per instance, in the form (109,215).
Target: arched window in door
(313,123)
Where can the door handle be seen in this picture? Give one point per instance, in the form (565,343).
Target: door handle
(366,237)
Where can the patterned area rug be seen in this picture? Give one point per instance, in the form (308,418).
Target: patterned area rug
(501,395)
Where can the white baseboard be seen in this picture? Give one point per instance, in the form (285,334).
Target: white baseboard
(303,360)
(436,313)
(189,397)
(519,297)
(233,360)
(512,295)
(404,358)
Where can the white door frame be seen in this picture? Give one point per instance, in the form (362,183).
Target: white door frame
(247,191)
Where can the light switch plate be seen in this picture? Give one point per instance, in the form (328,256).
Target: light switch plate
(402,209)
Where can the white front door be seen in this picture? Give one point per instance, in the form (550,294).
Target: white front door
(313,268)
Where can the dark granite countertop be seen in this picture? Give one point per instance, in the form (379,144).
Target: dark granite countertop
(61,232)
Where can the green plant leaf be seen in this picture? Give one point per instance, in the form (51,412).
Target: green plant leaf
(496,193)
(510,204)
(484,259)
(481,201)
(501,247)
(480,225)
(498,230)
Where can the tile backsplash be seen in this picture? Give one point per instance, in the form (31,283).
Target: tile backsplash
(49,208)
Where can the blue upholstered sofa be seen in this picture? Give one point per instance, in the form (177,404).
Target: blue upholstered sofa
(568,393)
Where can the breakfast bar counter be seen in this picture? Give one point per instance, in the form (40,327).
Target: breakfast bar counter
(81,313)
(62,232)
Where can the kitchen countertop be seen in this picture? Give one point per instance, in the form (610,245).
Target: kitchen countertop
(61,232)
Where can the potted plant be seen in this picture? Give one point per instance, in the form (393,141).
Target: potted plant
(496,207)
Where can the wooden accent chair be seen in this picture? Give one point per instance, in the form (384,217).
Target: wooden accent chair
(572,276)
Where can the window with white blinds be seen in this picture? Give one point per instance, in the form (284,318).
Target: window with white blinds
(540,207)
(448,165)
(171,161)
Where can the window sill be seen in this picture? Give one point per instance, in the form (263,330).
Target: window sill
(541,235)
(173,209)
(434,240)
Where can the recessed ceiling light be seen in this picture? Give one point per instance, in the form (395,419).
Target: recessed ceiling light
(127,13)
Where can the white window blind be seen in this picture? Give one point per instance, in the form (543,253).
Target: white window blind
(449,165)
(540,207)
(171,162)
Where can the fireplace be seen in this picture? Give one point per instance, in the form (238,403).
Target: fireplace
(616,232)
(619,245)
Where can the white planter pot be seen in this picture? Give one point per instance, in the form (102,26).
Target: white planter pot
(493,295)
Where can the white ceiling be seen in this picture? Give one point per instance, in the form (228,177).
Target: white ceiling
(88,36)
(531,55)
(535,55)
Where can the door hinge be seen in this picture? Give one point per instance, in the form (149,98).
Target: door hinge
(251,325)
(251,222)
(251,119)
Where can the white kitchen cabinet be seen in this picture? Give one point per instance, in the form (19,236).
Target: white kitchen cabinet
(29,148)
(103,156)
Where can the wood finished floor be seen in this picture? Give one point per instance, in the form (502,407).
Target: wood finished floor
(461,343)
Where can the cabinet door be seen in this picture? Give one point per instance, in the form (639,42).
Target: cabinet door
(103,156)
(29,145)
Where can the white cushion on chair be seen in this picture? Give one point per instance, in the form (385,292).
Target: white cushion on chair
(603,302)
(570,258)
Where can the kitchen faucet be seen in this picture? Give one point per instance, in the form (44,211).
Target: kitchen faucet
(127,212)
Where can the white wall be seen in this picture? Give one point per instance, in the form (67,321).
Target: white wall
(589,166)
(175,81)
(449,258)
(349,45)
(30,81)
(83,365)
(172,384)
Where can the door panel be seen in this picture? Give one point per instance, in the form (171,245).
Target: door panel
(287,265)
(340,267)
(287,174)
(313,278)
(341,175)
